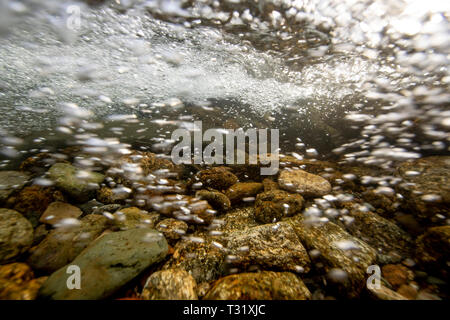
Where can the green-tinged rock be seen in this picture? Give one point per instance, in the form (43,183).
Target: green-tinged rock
(64,244)
(79,184)
(11,181)
(171,284)
(16,235)
(108,264)
(266,285)
(132,217)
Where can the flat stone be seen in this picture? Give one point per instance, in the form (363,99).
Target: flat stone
(307,184)
(63,245)
(108,264)
(58,211)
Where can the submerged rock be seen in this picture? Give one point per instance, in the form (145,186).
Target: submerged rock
(391,242)
(396,275)
(58,211)
(185,208)
(219,178)
(108,264)
(384,293)
(108,196)
(170,284)
(16,235)
(238,191)
(216,199)
(33,201)
(11,181)
(64,244)
(132,217)
(425,187)
(307,184)
(269,246)
(199,257)
(17,282)
(172,229)
(273,205)
(265,285)
(77,183)
(337,249)
(433,249)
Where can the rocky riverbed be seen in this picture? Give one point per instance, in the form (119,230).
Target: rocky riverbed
(141,227)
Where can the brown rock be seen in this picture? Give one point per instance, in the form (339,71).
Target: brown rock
(198,256)
(16,235)
(269,185)
(172,229)
(266,285)
(433,249)
(17,282)
(58,211)
(219,178)
(32,201)
(216,199)
(384,293)
(269,246)
(272,206)
(241,190)
(408,291)
(396,274)
(170,284)
(307,184)
(199,211)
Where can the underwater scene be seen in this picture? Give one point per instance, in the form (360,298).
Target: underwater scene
(224,150)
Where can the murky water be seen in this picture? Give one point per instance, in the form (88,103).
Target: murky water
(361,84)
